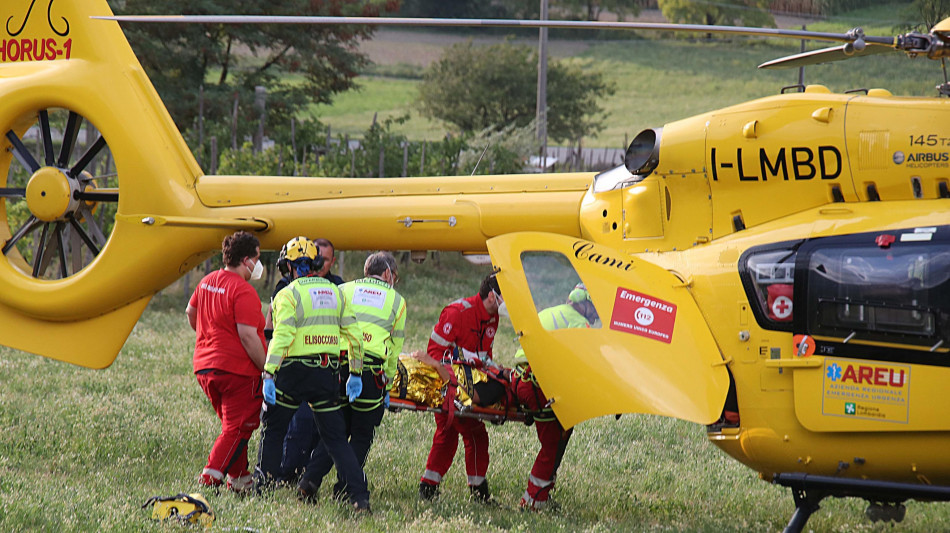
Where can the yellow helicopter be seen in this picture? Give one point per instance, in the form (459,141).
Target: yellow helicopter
(777,270)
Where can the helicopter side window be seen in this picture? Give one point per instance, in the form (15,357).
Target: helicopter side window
(769,277)
(898,294)
(560,297)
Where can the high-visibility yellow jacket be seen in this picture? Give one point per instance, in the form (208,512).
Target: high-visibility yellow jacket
(562,316)
(381,314)
(558,317)
(310,317)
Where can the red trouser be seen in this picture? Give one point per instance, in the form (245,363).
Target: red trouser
(553,440)
(446,441)
(237,402)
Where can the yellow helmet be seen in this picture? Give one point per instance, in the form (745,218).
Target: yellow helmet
(300,247)
(185,508)
(303,255)
(579,294)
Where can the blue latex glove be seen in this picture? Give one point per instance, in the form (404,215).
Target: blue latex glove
(386,400)
(354,387)
(270,391)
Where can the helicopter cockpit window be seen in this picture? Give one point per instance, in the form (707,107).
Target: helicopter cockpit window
(615,178)
(898,294)
(769,277)
(560,297)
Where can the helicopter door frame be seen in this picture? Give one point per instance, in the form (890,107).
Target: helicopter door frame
(654,353)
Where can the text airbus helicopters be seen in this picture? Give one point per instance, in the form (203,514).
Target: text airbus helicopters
(796,247)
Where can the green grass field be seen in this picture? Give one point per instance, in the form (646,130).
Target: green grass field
(81,450)
(657,80)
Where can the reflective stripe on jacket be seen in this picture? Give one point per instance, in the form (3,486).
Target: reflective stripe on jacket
(381,314)
(463,324)
(310,317)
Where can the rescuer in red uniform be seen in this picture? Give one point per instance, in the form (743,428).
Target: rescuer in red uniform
(225,311)
(465,333)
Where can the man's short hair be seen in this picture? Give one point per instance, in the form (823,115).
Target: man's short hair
(489,284)
(379,262)
(324,242)
(237,246)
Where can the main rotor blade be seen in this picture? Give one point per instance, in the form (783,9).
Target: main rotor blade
(500,23)
(825,55)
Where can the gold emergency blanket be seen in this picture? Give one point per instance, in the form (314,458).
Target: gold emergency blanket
(417,381)
(421,383)
(466,387)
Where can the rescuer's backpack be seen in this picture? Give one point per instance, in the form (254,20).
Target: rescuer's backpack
(185,508)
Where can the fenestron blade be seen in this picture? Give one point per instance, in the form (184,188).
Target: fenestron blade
(494,23)
(824,55)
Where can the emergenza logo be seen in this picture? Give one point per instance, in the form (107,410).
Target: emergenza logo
(880,376)
(644,315)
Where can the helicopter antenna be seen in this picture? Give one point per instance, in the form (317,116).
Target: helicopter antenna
(801,69)
(944,88)
(487,146)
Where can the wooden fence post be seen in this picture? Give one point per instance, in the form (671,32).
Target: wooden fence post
(405,158)
(201,121)
(293,141)
(260,102)
(213,167)
(422,160)
(382,160)
(234,118)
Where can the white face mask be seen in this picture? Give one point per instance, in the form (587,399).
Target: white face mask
(500,302)
(503,309)
(258,270)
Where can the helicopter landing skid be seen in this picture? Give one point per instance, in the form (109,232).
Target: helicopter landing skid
(886,497)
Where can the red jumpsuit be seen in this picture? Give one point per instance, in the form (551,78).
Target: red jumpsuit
(553,440)
(226,373)
(463,324)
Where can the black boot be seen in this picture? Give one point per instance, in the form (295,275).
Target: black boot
(362,507)
(307,490)
(428,492)
(480,492)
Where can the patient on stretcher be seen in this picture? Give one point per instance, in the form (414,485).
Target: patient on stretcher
(422,379)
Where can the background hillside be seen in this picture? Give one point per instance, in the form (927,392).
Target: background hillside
(658,79)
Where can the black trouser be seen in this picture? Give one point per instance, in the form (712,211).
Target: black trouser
(297,382)
(361,428)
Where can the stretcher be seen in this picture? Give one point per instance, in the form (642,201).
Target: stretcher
(487,414)
(417,387)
